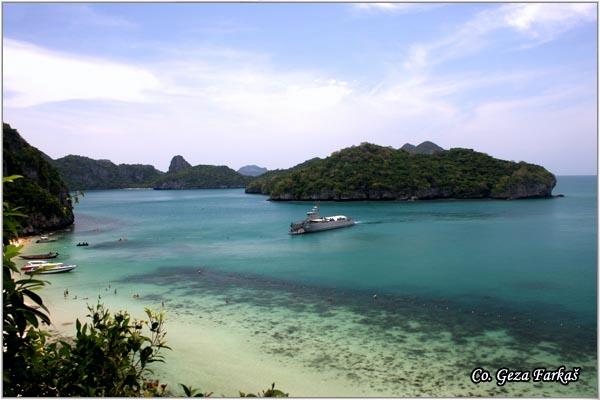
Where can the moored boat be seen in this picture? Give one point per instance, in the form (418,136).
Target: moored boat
(57,270)
(46,256)
(315,223)
(45,239)
(45,267)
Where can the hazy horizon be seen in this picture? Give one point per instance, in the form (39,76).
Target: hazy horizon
(277,84)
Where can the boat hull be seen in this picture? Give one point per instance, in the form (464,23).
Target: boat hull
(66,268)
(40,256)
(322,226)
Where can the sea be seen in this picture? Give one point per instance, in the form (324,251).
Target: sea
(408,302)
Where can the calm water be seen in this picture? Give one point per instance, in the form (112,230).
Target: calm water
(458,283)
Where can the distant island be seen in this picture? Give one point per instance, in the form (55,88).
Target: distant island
(182,175)
(364,172)
(83,173)
(41,191)
(251,170)
(426,147)
(426,171)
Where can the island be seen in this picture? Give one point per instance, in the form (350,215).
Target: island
(372,172)
(251,170)
(201,177)
(83,173)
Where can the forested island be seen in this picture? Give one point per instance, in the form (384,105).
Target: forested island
(201,177)
(83,173)
(372,172)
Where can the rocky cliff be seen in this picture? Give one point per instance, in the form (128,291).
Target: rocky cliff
(41,192)
(178,163)
(371,172)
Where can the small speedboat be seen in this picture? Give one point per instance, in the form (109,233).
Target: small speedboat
(45,267)
(45,239)
(40,256)
(83,244)
(59,269)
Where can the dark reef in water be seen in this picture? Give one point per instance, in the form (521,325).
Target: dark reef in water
(463,319)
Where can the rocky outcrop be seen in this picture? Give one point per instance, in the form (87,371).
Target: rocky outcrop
(41,192)
(371,172)
(178,163)
(83,173)
(252,170)
(528,181)
(426,147)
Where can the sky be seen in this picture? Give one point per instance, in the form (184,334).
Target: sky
(277,84)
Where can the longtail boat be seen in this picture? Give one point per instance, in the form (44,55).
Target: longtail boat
(40,256)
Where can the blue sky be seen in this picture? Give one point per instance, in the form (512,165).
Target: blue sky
(276,84)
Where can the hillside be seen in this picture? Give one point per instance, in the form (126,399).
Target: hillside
(201,177)
(82,173)
(41,192)
(251,170)
(372,172)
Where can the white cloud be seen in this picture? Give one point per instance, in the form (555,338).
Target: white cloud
(215,109)
(537,23)
(33,75)
(547,19)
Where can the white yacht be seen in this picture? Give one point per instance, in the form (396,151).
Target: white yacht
(315,223)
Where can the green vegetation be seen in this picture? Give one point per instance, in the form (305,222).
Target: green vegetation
(371,172)
(202,177)
(43,195)
(85,173)
(110,356)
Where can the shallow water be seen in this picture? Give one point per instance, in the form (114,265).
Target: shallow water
(458,284)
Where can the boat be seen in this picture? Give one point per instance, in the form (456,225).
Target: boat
(83,244)
(315,223)
(46,267)
(45,239)
(33,265)
(59,269)
(40,256)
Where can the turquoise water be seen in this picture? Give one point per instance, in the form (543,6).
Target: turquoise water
(516,278)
